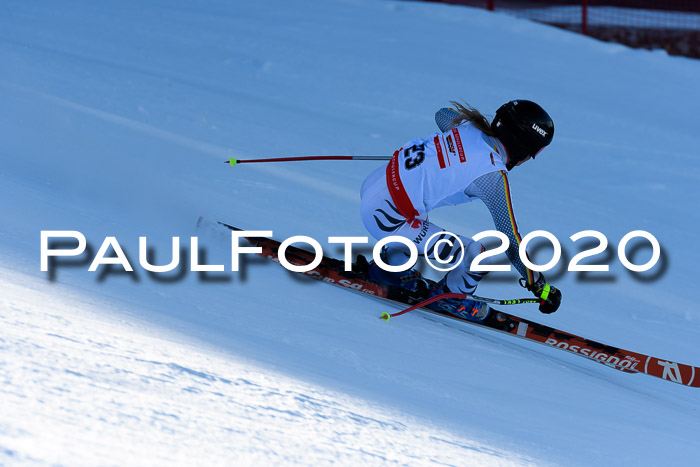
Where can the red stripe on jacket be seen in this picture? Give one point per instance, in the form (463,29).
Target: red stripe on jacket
(398,192)
(460,148)
(438,148)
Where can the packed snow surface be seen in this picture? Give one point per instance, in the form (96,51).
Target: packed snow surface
(116,119)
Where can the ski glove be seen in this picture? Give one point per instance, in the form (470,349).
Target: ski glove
(549,295)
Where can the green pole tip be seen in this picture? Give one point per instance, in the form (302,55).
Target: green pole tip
(385,316)
(232,161)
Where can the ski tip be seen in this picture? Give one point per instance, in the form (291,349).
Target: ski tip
(385,316)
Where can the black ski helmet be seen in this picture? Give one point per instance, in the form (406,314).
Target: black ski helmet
(524,128)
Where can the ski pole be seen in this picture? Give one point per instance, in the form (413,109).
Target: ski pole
(513,301)
(495,301)
(233,161)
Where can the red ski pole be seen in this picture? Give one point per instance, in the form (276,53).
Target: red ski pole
(385,316)
(513,301)
(234,161)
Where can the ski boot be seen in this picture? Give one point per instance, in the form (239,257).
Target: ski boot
(470,310)
(408,286)
(409,280)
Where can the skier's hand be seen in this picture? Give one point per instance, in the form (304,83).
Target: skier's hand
(549,295)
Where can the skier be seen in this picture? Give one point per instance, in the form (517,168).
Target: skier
(468,159)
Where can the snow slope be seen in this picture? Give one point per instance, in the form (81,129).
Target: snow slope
(115,120)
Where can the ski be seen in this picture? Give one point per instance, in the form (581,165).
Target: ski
(332,271)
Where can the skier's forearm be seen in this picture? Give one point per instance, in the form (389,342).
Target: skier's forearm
(494,191)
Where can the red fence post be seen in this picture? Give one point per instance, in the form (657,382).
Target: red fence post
(584,17)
